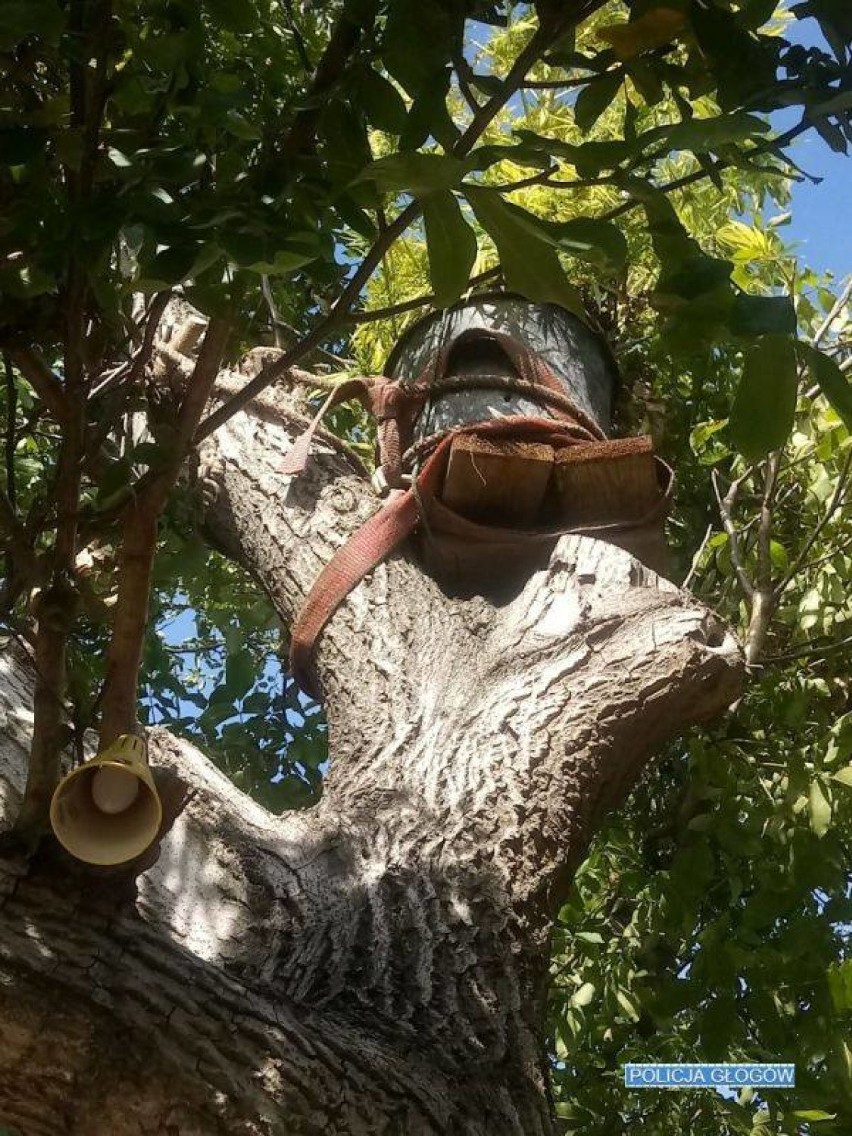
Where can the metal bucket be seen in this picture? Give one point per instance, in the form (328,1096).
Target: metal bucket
(577,356)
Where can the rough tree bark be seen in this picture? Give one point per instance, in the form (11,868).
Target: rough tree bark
(376,964)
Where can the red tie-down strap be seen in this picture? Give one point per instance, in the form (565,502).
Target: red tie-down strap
(394,407)
(393,523)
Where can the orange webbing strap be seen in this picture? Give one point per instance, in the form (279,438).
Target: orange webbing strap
(390,526)
(366,549)
(297,456)
(394,406)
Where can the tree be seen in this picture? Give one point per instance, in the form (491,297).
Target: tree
(379,962)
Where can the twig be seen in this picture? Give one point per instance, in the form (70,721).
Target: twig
(577,81)
(131,371)
(838,550)
(342,42)
(810,650)
(272,307)
(840,304)
(726,507)
(320,353)
(691,574)
(464,75)
(764,532)
(833,506)
(298,39)
(417,302)
(541,178)
(764,599)
(715,167)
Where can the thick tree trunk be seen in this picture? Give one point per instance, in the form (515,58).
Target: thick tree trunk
(376,964)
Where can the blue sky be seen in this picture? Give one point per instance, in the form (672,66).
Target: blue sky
(820,224)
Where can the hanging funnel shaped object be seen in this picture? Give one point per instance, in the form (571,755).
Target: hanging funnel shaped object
(108,811)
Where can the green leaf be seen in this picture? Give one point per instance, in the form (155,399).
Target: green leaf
(655,28)
(588,158)
(672,244)
(382,102)
(594,937)
(584,995)
(819,808)
(832,381)
(525,154)
(600,242)
(707,447)
(703,134)
(742,64)
(240,673)
(238,125)
(451,245)
(429,117)
(840,985)
(294,253)
(765,402)
(347,146)
(416,173)
(761,315)
(757,12)
(596,97)
(694,277)
(20,19)
(235,15)
(844,776)
(418,41)
(170,265)
(529,262)
(627,1004)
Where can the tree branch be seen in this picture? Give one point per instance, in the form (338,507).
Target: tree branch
(56,611)
(577,81)
(11,427)
(342,42)
(810,651)
(138,548)
(726,507)
(42,379)
(131,371)
(764,598)
(696,559)
(836,310)
(715,167)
